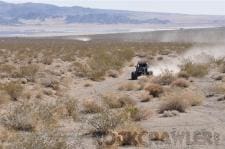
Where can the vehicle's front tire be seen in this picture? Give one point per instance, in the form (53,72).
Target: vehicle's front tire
(133,76)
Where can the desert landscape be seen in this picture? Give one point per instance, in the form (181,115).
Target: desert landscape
(75,91)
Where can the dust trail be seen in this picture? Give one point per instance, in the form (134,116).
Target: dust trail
(80,38)
(197,54)
(83,39)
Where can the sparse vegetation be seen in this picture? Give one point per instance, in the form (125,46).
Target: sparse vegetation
(166,78)
(194,69)
(138,114)
(222,67)
(180,100)
(130,86)
(7,69)
(91,106)
(105,121)
(71,107)
(154,89)
(170,113)
(218,88)
(173,103)
(46,139)
(159,136)
(126,135)
(183,74)
(37,75)
(194,97)
(117,101)
(145,97)
(47,60)
(113,73)
(28,72)
(13,89)
(20,119)
(4,97)
(180,83)
(87,84)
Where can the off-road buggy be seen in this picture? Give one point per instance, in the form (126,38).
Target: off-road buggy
(141,69)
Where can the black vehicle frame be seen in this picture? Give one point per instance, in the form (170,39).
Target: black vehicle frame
(141,69)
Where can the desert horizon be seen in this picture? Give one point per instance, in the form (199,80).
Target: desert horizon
(76,77)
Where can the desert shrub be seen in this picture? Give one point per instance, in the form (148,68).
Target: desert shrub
(159,58)
(28,72)
(170,113)
(113,73)
(46,139)
(50,82)
(47,60)
(218,61)
(4,97)
(80,69)
(164,52)
(117,100)
(91,106)
(183,74)
(103,61)
(126,134)
(13,89)
(143,80)
(20,118)
(165,78)
(159,136)
(154,89)
(138,114)
(218,88)
(71,106)
(88,84)
(173,103)
(126,100)
(47,92)
(29,116)
(145,97)
(180,100)
(222,67)
(44,114)
(8,69)
(68,57)
(129,86)
(33,115)
(194,69)
(194,97)
(105,121)
(180,83)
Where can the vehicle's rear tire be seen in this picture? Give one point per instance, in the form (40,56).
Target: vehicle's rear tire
(150,73)
(133,76)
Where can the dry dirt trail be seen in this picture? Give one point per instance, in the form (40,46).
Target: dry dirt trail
(108,85)
(201,127)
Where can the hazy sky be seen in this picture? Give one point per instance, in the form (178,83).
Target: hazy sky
(178,6)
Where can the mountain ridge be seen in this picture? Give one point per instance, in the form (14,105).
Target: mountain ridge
(13,14)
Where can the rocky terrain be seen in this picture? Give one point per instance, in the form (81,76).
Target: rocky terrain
(62,93)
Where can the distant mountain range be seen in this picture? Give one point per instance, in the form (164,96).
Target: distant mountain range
(18,14)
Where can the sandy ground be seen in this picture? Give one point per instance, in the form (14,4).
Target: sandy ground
(200,127)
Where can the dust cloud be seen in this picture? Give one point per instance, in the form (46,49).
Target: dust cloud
(197,54)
